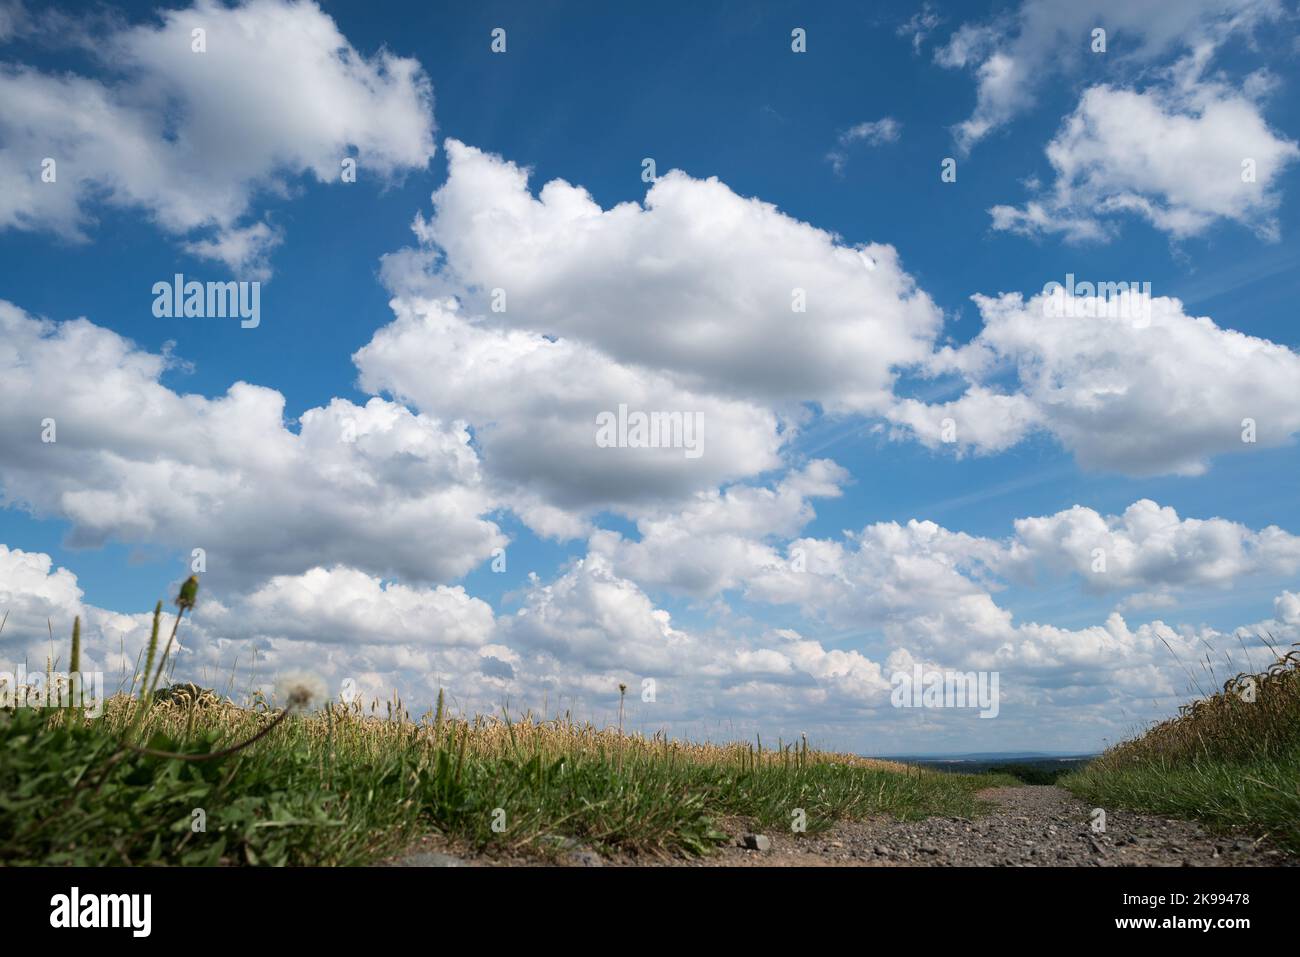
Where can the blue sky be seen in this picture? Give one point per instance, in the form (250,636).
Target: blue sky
(1145,188)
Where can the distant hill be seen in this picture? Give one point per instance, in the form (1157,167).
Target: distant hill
(1031,767)
(983,756)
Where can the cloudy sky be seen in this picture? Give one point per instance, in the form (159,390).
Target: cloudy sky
(821,231)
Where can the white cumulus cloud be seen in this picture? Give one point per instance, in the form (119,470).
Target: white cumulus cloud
(191,138)
(1138,394)
(1182,161)
(374,486)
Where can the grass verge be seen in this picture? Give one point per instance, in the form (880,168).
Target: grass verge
(341,787)
(1230,760)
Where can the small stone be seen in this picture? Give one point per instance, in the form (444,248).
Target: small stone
(757,842)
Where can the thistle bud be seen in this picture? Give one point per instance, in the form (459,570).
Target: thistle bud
(189,593)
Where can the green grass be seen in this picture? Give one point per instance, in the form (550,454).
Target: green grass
(1230,760)
(1261,798)
(339,787)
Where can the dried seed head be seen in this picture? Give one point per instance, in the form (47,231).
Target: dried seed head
(301,689)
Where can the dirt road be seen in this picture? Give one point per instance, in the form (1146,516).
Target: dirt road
(1027,826)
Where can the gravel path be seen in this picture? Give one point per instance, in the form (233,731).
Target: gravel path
(1027,827)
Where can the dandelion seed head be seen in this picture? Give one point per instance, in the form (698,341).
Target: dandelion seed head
(301,689)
